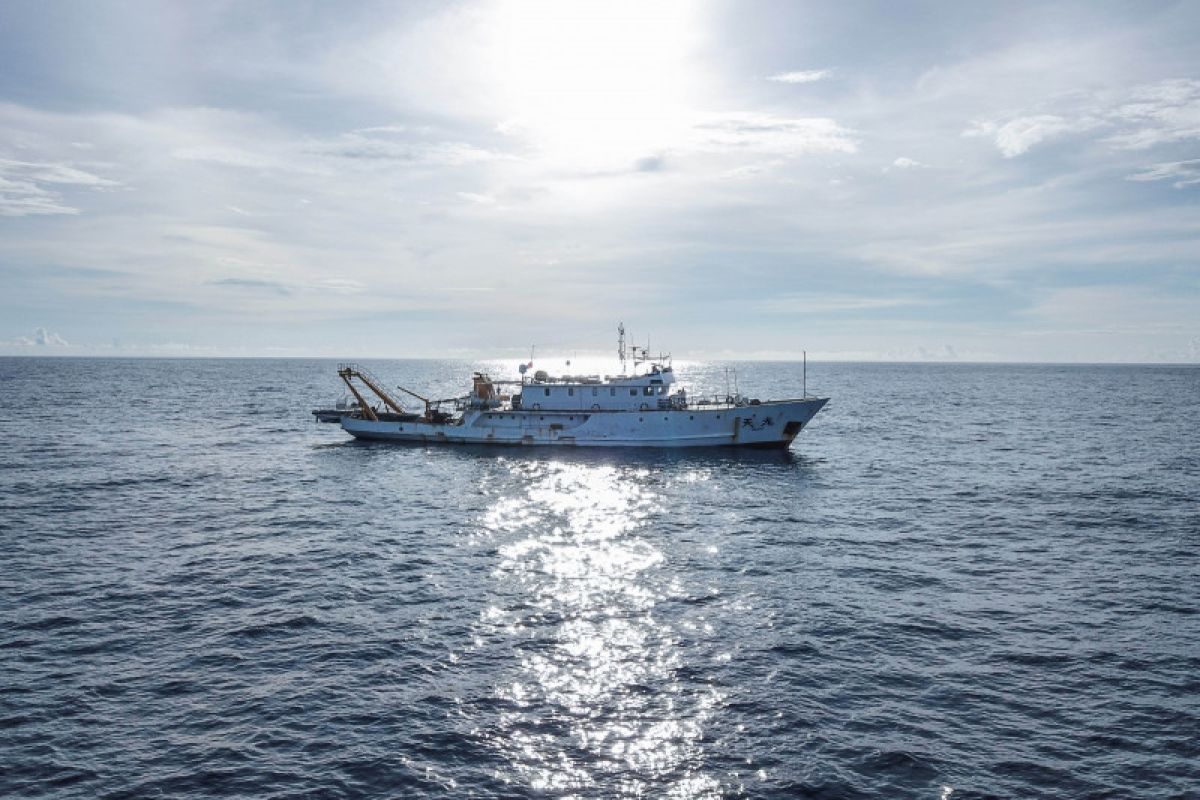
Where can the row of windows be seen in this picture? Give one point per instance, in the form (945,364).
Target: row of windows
(648,391)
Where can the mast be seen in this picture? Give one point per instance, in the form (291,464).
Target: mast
(621,345)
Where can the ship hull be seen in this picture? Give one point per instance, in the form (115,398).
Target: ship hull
(772,424)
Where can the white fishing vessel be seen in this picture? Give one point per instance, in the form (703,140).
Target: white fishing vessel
(642,409)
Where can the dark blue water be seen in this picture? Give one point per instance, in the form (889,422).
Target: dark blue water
(963,581)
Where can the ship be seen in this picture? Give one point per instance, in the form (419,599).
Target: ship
(644,407)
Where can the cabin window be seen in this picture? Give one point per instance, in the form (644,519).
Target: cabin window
(662,390)
(595,391)
(547,393)
(612,392)
(571,391)
(633,392)
(648,391)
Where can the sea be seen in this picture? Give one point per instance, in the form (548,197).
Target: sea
(962,581)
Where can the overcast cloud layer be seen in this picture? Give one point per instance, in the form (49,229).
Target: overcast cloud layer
(880,181)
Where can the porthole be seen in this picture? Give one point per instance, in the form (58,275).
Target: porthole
(641,420)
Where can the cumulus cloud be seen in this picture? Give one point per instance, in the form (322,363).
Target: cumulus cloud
(801,76)
(41,338)
(904,162)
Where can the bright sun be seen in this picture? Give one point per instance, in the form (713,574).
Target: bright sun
(597,85)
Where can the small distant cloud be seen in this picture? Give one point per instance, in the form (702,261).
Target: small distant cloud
(339,286)
(360,147)
(767,133)
(801,76)
(1180,173)
(261,284)
(481,199)
(903,162)
(382,129)
(835,303)
(227,156)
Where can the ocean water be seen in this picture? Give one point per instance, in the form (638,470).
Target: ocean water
(962,582)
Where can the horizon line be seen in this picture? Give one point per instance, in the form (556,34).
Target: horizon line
(750,359)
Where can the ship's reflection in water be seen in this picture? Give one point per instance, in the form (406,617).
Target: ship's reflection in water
(595,707)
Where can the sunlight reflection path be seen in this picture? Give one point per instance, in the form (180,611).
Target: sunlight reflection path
(596,707)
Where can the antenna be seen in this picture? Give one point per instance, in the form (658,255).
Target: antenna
(621,345)
(805,373)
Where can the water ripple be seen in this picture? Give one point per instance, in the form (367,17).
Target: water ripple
(963,582)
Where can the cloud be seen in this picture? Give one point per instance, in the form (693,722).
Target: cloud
(480,199)
(903,162)
(801,76)
(1138,118)
(1015,137)
(356,146)
(833,303)
(263,284)
(1181,173)
(1159,113)
(767,133)
(45,338)
(31,188)
(41,338)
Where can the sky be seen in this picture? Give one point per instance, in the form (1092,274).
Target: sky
(861,180)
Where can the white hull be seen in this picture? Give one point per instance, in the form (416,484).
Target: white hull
(768,424)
